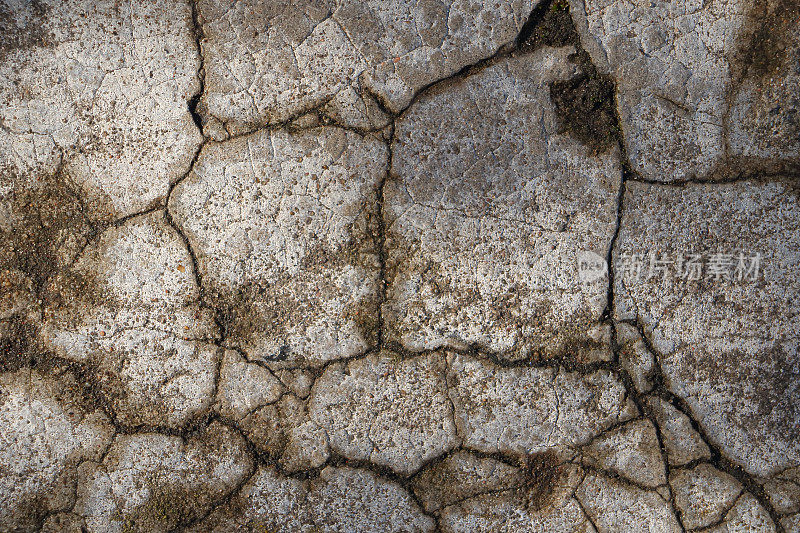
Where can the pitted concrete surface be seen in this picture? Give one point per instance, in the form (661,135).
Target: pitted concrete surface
(432,266)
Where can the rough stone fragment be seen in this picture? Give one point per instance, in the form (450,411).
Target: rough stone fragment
(529,410)
(703,495)
(393,412)
(616,506)
(63,523)
(151,482)
(725,344)
(463,475)
(485,219)
(682,443)
(268,61)
(791,523)
(47,428)
(100,88)
(784,491)
(703,89)
(747,515)
(244,387)
(632,451)
(307,447)
(138,325)
(283,430)
(508,513)
(267,502)
(339,500)
(283,227)
(377,504)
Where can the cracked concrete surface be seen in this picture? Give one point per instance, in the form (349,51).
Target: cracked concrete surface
(399,266)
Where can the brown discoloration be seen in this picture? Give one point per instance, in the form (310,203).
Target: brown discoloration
(771,377)
(163,511)
(16,336)
(462,476)
(44,225)
(269,308)
(23,26)
(766,40)
(542,471)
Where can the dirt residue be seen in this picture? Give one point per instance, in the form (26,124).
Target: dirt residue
(44,225)
(273,310)
(584,104)
(768,40)
(23,26)
(550,24)
(542,474)
(584,107)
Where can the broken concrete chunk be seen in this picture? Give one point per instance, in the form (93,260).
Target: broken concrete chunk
(268,427)
(784,491)
(508,513)
(278,426)
(463,475)
(339,500)
(486,220)
(63,523)
(631,451)
(345,266)
(49,427)
(747,515)
(283,225)
(266,62)
(720,307)
(103,92)
(267,502)
(129,310)
(152,482)
(243,386)
(682,443)
(357,500)
(616,506)
(529,410)
(390,411)
(703,495)
(307,447)
(703,89)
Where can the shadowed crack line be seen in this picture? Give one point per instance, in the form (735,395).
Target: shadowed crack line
(718,459)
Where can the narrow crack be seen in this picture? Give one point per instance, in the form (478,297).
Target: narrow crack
(380,236)
(522,44)
(199,36)
(718,459)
